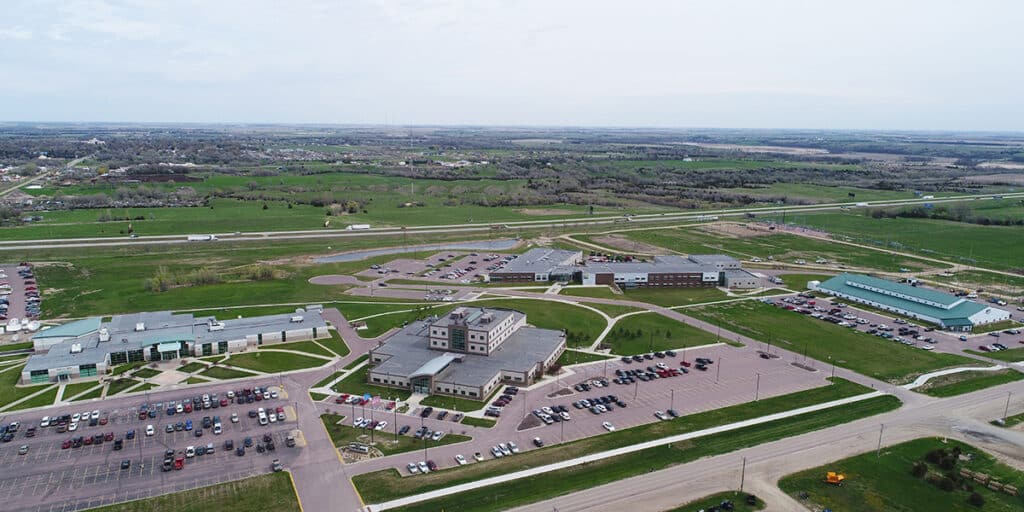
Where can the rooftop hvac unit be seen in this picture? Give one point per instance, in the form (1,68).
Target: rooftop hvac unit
(104,334)
(217,326)
(76,348)
(140,326)
(296,319)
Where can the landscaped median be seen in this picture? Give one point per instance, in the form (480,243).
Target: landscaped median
(342,433)
(967,381)
(389,485)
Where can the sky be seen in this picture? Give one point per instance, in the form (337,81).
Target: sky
(894,64)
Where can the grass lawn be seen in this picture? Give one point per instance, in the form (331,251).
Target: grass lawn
(198,380)
(219,372)
(344,433)
(453,403)
(582,326)
(355,384)
(127,367)
(527,490)
(996,326)
(8,392)
(966,382)
(308,347)
(273,362)
(576,357)
(482,422)
(272,492)
(1011,356)
(597,292)
(95,393)
(13,358)
(738,499)
(327,380)
(7,347)
(675,296)
(858,351)
(119,385)
(42,399)
(1010,421)
(317,396)
(885,482)
(146,386)
(146,373)
(388,484)
(214,359)
(335,344)
(357,361)
(71,390)
(649,332)
(192,367)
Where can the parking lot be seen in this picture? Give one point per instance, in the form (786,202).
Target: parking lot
(17,289)
(443,267)
(736,376)
(51,477)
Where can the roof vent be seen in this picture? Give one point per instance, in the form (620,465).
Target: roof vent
(104,334)
(140,326)
(296,319)
(76,348)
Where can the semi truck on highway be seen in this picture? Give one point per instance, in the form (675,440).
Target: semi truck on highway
(357,227)
(202,238)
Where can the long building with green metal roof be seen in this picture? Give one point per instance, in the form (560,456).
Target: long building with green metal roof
(932,306)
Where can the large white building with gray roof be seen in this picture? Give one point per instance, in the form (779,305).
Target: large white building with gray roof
(466,353)
(695,270)
(90,347)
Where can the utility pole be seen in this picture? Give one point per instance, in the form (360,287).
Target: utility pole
(878,451)
(743,473)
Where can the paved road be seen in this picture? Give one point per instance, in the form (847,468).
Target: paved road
(506,227)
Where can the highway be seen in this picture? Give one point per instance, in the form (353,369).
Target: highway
(470,228)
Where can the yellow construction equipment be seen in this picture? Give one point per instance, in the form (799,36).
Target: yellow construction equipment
(834,478)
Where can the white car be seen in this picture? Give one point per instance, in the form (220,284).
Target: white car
(660,415)
(423,467)
(565,416)
(358,423)
(231,395)
(547,410)
(76,416)
(381,425)
(478,457)
(273,418)
(45,422)
(413,468)
(460,459)
(927,347)
(179,409)
(437,435)
(280,416)
(234,417)
(190,452)
(608,426)
(513,447)
(504,449)
(217,429)
(497,452)
(273,394)
(73,426)
(96,414)
(150,430)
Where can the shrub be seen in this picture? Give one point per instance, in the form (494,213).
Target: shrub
(919,469)
(946,485)
(976,499)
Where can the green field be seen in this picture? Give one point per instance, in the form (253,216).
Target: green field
(335,344)
(863,353)
(388,484)
(95,393)
(650,332)
(821,193)
(739,500)
(272,492)
(146,373)
(309,347)
(985,246)
(200,380)
(327,380)
(7,347)
(317,397)
(885,482)
(8,392)
(966,382)
(273,362)
(799,281)
(41,400)
(356,362)
(355,384)
(570,357)
(991,282)
(342,434)
(1012,355)
(781,247)
(556,483)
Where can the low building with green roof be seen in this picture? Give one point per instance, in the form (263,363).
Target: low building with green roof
(931,306)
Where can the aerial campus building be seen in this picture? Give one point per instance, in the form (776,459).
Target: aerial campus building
(90,347)
(942,309)
(466,353)
(697,270)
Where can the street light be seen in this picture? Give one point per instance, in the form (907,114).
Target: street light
(757,387)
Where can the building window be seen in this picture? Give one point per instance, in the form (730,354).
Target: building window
(375,379)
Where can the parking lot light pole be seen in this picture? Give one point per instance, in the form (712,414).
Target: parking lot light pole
(672,400)
(636,388)
(1006,410)
(757,388)
(718,369)
(833,367)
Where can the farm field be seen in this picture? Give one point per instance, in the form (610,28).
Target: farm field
(821,193)
(958,242)
(857,351)
(886,482)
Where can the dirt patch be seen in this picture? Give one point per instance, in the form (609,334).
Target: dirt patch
(560,392)
(545,211)
(737,230)
(333,279)
(528,422)
(624,244)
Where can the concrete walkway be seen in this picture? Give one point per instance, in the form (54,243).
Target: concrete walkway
(920,381)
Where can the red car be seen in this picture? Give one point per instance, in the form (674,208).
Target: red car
(103,421)
(66,444)
(109,436)
(339,400)
(279,409)
(685,363)
(223,402)
(179,462)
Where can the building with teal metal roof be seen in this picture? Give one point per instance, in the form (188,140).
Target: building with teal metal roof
(932,306)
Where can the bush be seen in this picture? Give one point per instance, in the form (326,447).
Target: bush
(935,456)
(946,485)
(919,470)
(976,499)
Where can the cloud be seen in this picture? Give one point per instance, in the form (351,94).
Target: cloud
(17,32)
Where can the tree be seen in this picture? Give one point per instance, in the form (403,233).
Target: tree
(976,499)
